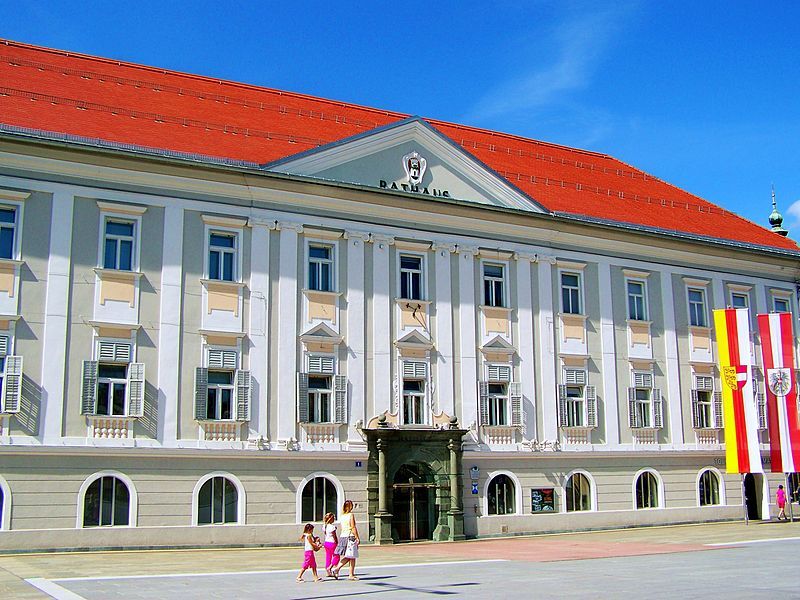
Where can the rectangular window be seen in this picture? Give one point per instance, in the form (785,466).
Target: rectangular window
(705,408)
(739,300)
(112,381)
(119,244)
(642,407)
(780,304)
(493,281)
(222,256)
(498,403)
(637,305)
(320,392)
(571,293)
(8,229)
(697,307)
(219,404)
(413,401)
(575,408)
(320,268)
(411,277)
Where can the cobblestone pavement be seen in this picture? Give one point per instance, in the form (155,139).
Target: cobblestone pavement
(729,559)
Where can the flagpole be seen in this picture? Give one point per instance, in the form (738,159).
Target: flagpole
(789,497)
(744,503)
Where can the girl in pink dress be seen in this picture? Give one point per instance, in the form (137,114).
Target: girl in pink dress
(780,499)
(310,545)
(331,540)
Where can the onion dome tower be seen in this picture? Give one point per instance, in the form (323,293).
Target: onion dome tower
(776,219)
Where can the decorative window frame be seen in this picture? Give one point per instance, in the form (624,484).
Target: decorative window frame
(701,285)
(637,277)
(241,500)
(427,408)
(720,479)
(120,212)
(340,497)
(506,265)
(227,226)
(133,497)
(565,268)
(314,238)
(660,484)
(15,200)
(5,510)
(423,274)
(517,493)
(781,294)
(592,491)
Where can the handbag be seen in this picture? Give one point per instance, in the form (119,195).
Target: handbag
(352,548)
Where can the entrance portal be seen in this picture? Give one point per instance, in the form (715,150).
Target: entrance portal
(414,506)
(752,497)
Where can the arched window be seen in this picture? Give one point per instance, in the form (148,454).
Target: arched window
(501,496)
(106,503)
(319,497)
(217,502)
(578,492)
(708,488)
(647,491)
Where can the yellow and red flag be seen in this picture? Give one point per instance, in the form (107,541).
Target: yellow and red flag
(742,454)
(777,348)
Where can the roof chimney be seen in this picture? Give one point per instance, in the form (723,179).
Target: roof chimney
(775,218)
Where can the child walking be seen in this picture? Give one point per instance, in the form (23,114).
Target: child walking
(331,540)
(310,545)
(780,499)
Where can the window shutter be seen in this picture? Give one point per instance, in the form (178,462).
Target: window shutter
(515,394)
(200,393)
(642,380)
(499,373)
(704,383)
(562,405)
(591,406)
(483,402)
(302,397)
(658,413)
(696,408)
(575,376)
(89,387)
(415,369)
(718,410)
(114,352)
(3,345)
(761,404)
(243,392)
(135,390)
(340,410)
(12,385)
(633,421)
(223,359)
(320,364)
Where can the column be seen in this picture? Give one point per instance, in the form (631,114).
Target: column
(381,324)
(287,333)
(356,357)
(672,361)
(383,518)
(469,343)
(445,393)
(546,348)
(258,333)
(609,355)
(455,516)
(56,317)
(525,344)
(169,335)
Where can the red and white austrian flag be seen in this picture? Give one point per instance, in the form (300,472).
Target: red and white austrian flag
(777,347)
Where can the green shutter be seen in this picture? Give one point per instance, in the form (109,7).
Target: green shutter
(243,392)
(695,409)
(12,385)
(658,412)
(515,394)
(718,422)
(200,393)
(340,409)
(562,405)
(483,402)
(135,389)
(89,387)
(633,421)
(302,397)
(591,406)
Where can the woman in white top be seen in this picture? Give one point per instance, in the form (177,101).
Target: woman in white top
(347,547)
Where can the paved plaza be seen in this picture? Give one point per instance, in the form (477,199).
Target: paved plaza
(731,560)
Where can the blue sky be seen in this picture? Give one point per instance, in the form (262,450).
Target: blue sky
(705,95)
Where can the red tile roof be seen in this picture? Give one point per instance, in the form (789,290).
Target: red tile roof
(63,92)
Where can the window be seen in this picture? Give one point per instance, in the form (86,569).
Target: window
(500,398)
(219,406)
(493,281)
(739,300)
(571,293)
(413,401)
(319,497)
(217,502)
(112,386)
(498,401)
(8,230)
(222,390)
(706,404)
(501,496)
(574,406)
(780,304)
(320,268)
(578,493)
(106,503)
(319,398)
(222,256)
(577,402)
(647,491)
(644,402)
(410,277)
(697,307)
(637,304)
(119,244)
(708,488)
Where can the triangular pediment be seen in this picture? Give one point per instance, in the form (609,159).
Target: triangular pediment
(415,340)
(380,158)
(498,345)
(321,334)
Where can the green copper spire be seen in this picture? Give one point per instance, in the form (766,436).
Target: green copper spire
(775,218)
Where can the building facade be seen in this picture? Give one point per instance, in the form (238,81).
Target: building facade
(211,334)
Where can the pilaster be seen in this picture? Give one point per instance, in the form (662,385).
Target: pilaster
(672,360)
(356,356)
(445,393)
(608,362)
(381,323)
(527,365)
(549,426)
(468,345)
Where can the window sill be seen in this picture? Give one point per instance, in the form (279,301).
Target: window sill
(117,274)
(307,292)
(11,262)
(578,427)
(223,283)
(700,329)
(709,428)
(505,309)
(408,303)
(634,322)
(572,317)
